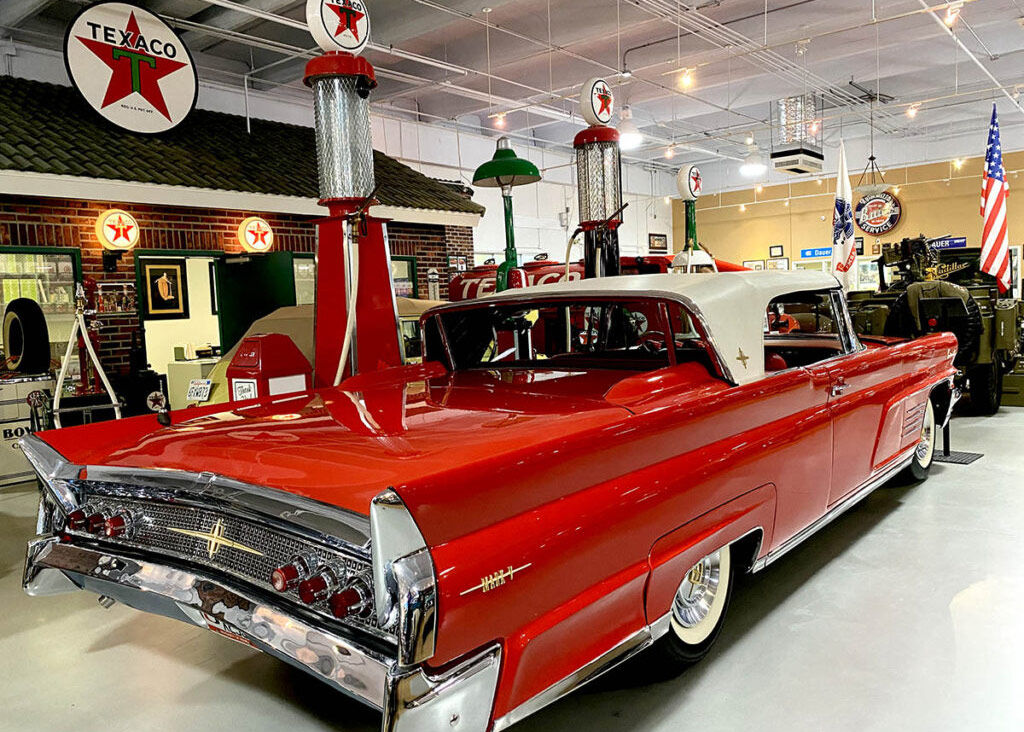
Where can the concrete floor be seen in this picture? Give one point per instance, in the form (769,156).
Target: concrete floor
(904,614)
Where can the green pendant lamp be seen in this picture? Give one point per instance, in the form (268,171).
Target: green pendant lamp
(505,171)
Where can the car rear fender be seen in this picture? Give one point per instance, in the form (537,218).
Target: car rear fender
(673,555)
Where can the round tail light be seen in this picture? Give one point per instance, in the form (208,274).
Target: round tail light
(288,576)
(119,524)
(353,600)
(319,586)
(95,523)
(76,520)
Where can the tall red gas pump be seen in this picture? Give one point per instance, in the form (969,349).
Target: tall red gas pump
(599,182)
(357,327)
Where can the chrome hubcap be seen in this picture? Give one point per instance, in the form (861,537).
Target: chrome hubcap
(696,595)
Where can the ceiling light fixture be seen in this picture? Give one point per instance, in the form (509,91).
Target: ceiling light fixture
(753,164)
(626,74)
(913,109)
(895,190)
(499,120)
(820,181)
(743,207)
(786,202)
(952,13)
(686,78)
(630,137)
(760,188)
(958,163)
(750,138)
(670,152)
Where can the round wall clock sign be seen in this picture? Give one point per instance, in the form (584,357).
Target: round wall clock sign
(690,183)
(597,102)
(339,25)
(255,235)
(130,67)
(878,213)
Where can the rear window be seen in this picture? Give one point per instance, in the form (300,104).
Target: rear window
(614,334)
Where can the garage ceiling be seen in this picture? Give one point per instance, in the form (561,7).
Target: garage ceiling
(464,62)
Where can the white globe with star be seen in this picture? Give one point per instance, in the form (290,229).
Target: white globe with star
(690,183)
(339,25)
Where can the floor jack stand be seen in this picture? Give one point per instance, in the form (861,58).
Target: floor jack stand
(951,456)
(80,332)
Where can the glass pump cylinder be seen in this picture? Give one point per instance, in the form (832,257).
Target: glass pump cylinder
(598,175)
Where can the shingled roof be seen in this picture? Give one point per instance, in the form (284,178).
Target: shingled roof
(47,128)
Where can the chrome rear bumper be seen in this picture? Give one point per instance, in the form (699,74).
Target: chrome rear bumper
(411,699)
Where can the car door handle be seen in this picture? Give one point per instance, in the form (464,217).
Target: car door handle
(838,387)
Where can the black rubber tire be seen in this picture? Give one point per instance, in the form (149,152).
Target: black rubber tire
(670,656)
(986,388)
(26,337)
(919,468)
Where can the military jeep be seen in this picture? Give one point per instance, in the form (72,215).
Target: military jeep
(923,290)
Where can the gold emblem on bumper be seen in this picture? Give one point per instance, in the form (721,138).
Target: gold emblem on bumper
(215,539)
(496,579)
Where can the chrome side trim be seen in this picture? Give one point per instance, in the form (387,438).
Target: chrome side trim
(837,510)
(625,649)
(462,698)
(53,469)
(349,667)
(40,581)
(417,607)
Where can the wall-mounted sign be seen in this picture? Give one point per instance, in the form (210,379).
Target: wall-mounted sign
(817,253)
(255,235)
(690,183)
(878,213)
(130,67)
(950,242)
(597,102)
(117,230)
(338,25)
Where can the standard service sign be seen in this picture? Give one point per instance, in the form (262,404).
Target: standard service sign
(131,67)
(878,213)
(338,24)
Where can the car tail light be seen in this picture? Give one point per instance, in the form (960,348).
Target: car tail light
(932,322)
(76,520)
(96,522)
(119,524)
(288,576)
(354,599)
(319,586)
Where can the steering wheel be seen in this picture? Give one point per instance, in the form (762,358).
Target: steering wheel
(651,343)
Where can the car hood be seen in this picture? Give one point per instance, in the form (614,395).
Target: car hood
(343,446)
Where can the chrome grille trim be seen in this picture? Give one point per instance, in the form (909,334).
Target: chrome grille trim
(167,523)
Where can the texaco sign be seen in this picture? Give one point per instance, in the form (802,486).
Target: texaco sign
(690,183)
(878,214)
(130,67)
(255,235)
(338,25)
(596,102)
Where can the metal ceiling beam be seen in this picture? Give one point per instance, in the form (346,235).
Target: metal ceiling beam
(15,12)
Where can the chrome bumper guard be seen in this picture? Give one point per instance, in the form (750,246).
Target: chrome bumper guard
(411,699)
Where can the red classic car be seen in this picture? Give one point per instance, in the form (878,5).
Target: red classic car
(576,473)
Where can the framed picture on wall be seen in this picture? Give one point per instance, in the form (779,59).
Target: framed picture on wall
(657,243)
(778,263)
(755,264)
(166,296)
(859,242)
(775,251)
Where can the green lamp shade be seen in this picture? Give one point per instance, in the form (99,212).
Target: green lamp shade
(505,169)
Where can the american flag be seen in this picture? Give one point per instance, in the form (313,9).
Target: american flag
(995,241)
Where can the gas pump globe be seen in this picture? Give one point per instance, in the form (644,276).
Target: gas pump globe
(599,182)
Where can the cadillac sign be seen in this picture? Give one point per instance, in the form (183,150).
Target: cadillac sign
(878,213)
(130,67)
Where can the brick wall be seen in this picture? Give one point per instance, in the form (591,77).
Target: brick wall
(26,221)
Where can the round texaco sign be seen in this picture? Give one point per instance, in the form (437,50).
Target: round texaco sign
(117,230)
(255,235)
(690,183)
(338,25)
(130,67)
(878,214)
(597,102)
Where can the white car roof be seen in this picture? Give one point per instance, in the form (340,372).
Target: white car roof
(730,305)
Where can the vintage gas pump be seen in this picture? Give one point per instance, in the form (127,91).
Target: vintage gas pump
(599,181)
(357,327)
(691,258)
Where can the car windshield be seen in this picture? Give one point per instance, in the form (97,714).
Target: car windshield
(614,334)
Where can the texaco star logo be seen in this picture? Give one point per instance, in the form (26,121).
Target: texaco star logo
(117,230)
(255,235)
(690,183)
(696,182)
(338,24)
(130,67)
(597,102)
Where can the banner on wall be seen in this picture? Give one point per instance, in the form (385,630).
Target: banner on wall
(130,67)
(950,242)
